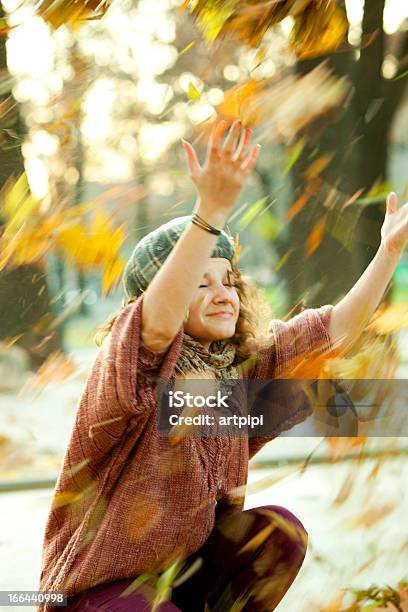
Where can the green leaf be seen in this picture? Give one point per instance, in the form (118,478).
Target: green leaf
(269,226)
(165,581)
(401,76)
(253,211)
(293,154)
(376,195)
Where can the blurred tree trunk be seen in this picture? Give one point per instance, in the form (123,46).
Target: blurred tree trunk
(25,308)
(358,138)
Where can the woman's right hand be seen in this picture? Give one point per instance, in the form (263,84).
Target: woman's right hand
(220,180)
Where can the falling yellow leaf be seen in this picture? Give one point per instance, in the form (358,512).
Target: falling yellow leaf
(283,260)
(320,25)
(192,92)
(319,29)
(187,48)
(70,13)
(30,232)
(112,274)
(65,498)
(258,539)
(9,342)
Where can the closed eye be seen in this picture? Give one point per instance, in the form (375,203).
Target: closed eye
(225,285)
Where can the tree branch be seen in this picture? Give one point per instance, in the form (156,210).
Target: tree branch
(372,55)
(402,56)
(394,89)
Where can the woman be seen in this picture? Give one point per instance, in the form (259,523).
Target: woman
(132,509)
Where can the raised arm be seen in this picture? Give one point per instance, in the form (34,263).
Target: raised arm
(218,184)
(351,314)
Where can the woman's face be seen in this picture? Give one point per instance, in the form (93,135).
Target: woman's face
(214,310)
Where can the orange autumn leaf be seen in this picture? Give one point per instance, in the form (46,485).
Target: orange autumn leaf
(237,102)
(297,206)
(315,237)
(352,199)
(367,564)
(140,517)
(374,360)
(285,106)
(319,165)
(345,489)
(340,446)
(57,368)
(282,107)
(389,318)
(336,605)
(371,516)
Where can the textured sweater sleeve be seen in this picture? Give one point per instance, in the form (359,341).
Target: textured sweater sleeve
(117,392)
(297,349)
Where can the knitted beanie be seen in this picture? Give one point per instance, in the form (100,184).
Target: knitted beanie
(152,250)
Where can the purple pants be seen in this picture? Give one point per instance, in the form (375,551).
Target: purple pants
(250,558)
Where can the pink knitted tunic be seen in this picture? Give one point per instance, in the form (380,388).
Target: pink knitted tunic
(126,501)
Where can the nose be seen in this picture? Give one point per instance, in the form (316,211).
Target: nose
(221,294)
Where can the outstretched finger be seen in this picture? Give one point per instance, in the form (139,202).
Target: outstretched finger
(231,140)
(192,161)
(214,143)
(250,161)
(242,149)
(392,202)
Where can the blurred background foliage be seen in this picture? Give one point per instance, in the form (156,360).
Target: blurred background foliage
(94,101)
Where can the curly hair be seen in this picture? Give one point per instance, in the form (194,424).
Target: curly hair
(250,330)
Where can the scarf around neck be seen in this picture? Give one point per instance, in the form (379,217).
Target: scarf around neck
(218,358)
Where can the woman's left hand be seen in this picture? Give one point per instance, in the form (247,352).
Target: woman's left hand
(394,231)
